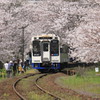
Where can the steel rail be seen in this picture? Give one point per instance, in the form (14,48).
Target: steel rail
(15,83)
(45,91)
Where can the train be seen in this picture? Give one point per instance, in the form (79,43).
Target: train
(47,53)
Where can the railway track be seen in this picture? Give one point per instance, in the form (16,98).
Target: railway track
(54,96)
(15,84)
(36,83)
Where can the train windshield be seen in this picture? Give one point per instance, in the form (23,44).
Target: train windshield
(45,47)
(36,48)
(54,47)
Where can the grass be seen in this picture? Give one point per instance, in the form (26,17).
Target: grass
(89,84)
(33,96)
(32,71)
(78,82)
(66,96)
(2,74)
(5,95)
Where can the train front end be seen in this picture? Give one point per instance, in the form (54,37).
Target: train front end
(45,52)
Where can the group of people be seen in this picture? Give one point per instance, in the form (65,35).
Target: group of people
(12,67)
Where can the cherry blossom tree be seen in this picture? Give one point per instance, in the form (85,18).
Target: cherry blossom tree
(75,21)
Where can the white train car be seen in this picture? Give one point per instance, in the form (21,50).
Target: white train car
(46,53)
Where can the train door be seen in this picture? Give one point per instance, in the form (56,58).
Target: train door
(45,51)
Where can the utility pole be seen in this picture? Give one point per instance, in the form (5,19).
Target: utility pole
(23,42)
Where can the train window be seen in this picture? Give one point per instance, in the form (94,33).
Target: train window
(45,47)
(54,47)
(36,48)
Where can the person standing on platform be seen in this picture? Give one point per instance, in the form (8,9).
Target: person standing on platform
(8,68)
(15,68)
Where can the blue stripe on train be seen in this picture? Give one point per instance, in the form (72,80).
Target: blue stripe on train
(40,67)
